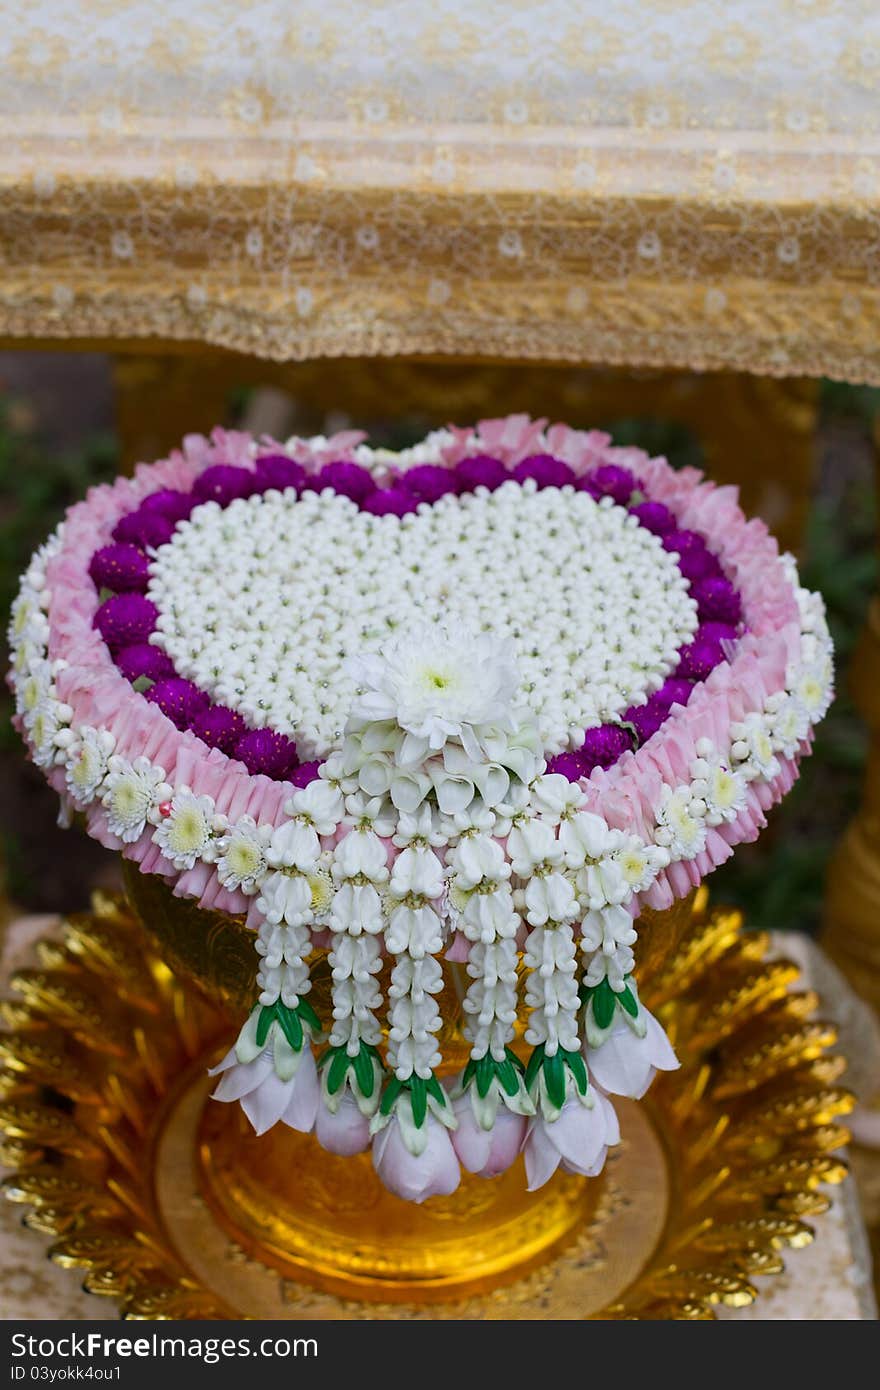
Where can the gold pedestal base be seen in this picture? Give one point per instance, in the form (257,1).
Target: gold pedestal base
(329,1221)
(344,1247)
(172,1210)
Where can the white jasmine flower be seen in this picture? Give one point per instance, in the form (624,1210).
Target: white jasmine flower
(612,606)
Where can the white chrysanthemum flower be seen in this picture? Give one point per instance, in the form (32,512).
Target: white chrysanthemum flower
(640,864)
(789,726)
(722,789)
(43,725)
(681,823)
(185,833)
(437,687)
(752,748)
(35,690)
(132,792)
(241,862)
(812,689)
(87,763)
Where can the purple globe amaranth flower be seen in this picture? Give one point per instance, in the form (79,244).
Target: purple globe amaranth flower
(717,601)
(168,502)
(588,486)
(179,699)
(683,541)
(279,472)
(719,632)
(219,727)
(481,470)
(126,619)
(675,690)
(429,482)
(123,567)
(546,470)
(262,750)
(304,774)
(655,517)
(224,482)
(389,501)
(699,658)
(142,659)
(348,479)
(647,719)
(603,745)
(610,480)
(699,564)
(144,528)
(567,765)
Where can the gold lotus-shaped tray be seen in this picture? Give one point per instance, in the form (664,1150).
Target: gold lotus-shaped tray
(102,1111)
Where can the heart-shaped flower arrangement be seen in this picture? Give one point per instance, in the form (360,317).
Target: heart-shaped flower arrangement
(483,699)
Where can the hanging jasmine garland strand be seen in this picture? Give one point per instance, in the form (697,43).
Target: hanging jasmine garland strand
(413,1099)
(481,900)
(271,1068)
(351,1068)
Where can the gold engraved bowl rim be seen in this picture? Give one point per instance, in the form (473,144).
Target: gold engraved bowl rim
(100,1029)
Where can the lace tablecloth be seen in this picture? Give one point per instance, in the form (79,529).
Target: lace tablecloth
(686,183)
(828,1280)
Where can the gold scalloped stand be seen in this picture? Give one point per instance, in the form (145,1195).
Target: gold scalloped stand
(172,1209)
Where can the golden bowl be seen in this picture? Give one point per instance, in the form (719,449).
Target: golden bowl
(176,1209)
